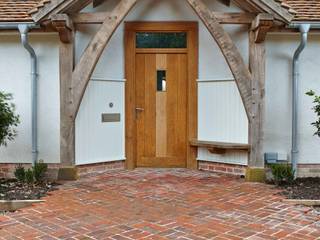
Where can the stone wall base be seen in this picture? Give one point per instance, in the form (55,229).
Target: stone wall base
(308,170)
(231,169)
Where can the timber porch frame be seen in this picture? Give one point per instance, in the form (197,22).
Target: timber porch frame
(261,17)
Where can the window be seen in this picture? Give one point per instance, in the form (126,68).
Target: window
(161,40)
(161,81)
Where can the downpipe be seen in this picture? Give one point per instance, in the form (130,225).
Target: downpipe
(24,30)
(304,30)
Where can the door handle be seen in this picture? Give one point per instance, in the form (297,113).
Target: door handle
(139,109)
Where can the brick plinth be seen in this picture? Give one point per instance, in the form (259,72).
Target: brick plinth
(231,169)
(91,169)
(7,170)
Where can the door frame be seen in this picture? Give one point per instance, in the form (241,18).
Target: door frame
(130,89)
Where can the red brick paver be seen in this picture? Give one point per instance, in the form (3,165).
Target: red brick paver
(162,204)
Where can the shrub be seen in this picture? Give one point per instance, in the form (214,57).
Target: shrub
(29,176)
(39,170)
(316,109)
(20,173)
(282,173)
(8,119)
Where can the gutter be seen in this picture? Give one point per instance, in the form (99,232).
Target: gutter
(313,25)
(24,30)
(14,25)
(304,30)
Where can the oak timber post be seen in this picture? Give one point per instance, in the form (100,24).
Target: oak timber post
(74,78)
(67,120)
(257,67)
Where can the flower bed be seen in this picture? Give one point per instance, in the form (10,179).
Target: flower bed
(303,188)
(11,189)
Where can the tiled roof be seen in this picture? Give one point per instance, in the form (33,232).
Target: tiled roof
(17,10)
(307,10)
(21,10)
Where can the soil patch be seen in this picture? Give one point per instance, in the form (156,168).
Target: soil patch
(303,188)
(11,189)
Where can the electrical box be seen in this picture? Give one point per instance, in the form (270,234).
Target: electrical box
(275,157)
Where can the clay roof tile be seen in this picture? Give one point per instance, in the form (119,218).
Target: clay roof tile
(21,10)
(18,10)
(306,10)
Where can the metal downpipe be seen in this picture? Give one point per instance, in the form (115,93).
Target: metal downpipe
(24,29)
(304,30)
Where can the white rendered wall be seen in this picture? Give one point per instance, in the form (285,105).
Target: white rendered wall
(221,118)
(99,141)
(214,107)
(280,49)
(16,79)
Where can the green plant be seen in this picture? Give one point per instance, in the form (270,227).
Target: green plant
(29,176)
(39,170)
(8,119)
(316,109)
(20,173)
(282,173)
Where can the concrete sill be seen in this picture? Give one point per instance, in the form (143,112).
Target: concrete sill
(14,205)
(304,202)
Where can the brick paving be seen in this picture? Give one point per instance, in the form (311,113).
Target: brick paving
(162,204)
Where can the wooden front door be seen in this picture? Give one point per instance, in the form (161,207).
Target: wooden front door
(161,112)
(161,93)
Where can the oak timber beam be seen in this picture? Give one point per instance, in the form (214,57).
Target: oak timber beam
(231,53)
(56,7)
(76,6)
(275,8)
(84,69)
(63,24)
(222,145)
(225,2)
(246,6)
(261,25)
(96,3)
(39,13)
(267,6)
(90,18)
(222,17)
(234,18)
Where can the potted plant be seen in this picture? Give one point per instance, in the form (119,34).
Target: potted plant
(8,119)
(316,109)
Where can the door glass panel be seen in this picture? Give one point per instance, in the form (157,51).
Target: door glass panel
(161,81)
(161,40)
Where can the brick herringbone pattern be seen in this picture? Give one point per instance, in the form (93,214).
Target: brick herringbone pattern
(162,204)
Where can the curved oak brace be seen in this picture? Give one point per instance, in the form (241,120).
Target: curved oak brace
(235,61)
(91,55)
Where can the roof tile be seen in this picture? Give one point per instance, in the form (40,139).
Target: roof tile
(307,10)
(16,10)
(21,10)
